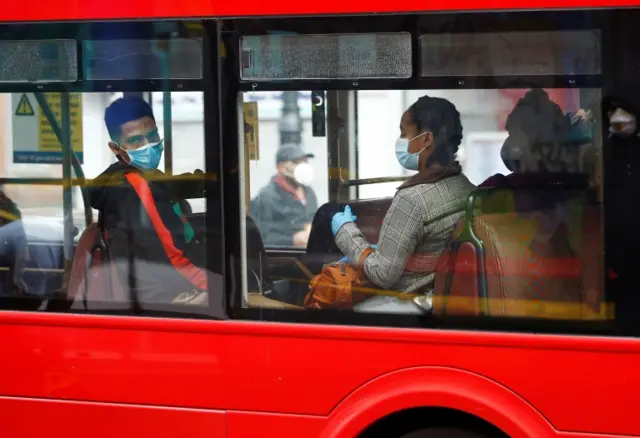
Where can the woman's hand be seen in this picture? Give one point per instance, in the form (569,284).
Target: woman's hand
(341,218)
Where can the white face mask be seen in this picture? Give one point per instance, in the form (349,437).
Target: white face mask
(406,159)
(303,174)
(622,123)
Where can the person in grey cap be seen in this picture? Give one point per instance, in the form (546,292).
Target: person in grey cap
(283,209)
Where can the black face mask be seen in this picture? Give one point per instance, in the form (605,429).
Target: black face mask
(511,154)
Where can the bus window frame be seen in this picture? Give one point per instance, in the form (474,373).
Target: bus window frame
(208,85)
(591,19)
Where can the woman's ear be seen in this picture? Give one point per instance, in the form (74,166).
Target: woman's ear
(429,142)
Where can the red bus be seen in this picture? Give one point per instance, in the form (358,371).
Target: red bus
(516,338)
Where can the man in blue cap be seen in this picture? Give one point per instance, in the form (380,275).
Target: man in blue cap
(283,209)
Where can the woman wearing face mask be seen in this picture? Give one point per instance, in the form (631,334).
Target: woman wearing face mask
(284,208)
(422,215)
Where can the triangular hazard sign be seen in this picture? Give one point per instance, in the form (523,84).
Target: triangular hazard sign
(24,107)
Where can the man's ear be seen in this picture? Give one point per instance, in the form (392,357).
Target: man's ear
(120,153)
(115,148)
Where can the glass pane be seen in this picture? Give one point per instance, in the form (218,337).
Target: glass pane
(177,58)
(187,135)
(530,158)
(42,208)
(511,53)
(38,61)
(150,249)
(350,56)
(274,167)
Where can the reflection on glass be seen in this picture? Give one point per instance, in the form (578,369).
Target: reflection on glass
(511,53)
(382,55)
(177,58)
(38,61)
(534,224)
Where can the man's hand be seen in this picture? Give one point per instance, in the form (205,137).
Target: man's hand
(189,185)
(199,174)
(301,238)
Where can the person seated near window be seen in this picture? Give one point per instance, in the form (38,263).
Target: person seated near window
(284,208)
(14,251)
(422,216)
(544,146)
(554,184)
(149,238)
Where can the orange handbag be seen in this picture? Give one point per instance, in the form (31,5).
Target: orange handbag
(334,286)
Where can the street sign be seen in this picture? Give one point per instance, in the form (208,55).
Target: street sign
(24,107)
(34,140)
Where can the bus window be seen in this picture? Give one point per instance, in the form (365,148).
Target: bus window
(476,201)
(288,168)
(105,189)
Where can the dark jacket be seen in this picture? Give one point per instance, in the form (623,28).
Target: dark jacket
(148,237)
(279,214)
(14,250)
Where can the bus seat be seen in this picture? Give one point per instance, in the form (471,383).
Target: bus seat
(321,247)
(592,258)
(90,262)
(458,279)
(258,271)
(519,276)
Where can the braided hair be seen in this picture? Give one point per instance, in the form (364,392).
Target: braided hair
(443,119)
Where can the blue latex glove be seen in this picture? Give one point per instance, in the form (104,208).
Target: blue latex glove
(341,218)
(346,259)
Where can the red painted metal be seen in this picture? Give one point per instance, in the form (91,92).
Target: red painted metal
(27,417)
(74,376)
(135,9)
(334,380)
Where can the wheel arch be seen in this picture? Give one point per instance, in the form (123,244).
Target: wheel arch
(436,388)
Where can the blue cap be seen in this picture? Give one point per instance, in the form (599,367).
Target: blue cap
(123,110)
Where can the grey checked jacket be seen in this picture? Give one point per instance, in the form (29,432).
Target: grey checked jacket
(415,231)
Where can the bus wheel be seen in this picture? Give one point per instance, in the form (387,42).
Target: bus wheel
(443,432)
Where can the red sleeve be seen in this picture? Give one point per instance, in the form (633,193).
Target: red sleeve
(182,264)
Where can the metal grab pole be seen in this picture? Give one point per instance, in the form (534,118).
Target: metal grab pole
(67,189)
(168,131)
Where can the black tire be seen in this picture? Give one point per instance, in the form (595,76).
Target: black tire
(443,432)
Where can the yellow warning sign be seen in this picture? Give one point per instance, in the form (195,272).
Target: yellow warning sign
(47,139)
(24,107)
(251,138)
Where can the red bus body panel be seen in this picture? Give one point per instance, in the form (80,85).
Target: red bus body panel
(135,9)
(104,376)
(325,381)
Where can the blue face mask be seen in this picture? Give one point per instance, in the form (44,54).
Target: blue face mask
(407,160)
(146,157)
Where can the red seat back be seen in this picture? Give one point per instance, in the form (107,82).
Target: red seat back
(520,279)
(93,277)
